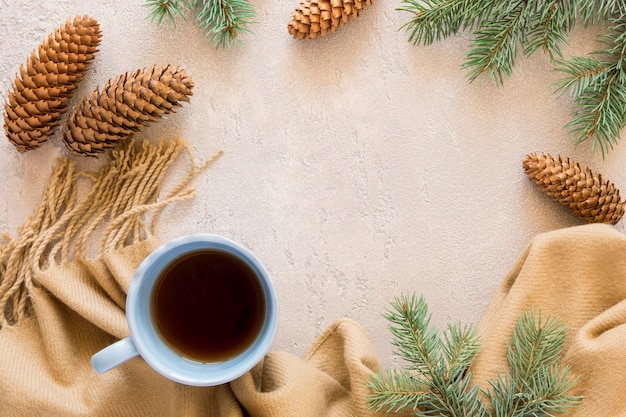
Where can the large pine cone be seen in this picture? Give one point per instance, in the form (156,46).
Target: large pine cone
(588,195)
(40,93)
(123,107)
(316,18)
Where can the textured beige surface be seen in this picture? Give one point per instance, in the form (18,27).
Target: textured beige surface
(357,166)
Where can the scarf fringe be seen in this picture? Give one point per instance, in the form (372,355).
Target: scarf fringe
(121,193)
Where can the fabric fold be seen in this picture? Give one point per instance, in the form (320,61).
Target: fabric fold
(577,274)
(329,381)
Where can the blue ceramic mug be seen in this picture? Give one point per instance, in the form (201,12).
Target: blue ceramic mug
(148,341)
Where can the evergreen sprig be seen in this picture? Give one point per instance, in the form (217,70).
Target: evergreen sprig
(599,87)
(505,29)
(536,384)
(437,382)
(221,20)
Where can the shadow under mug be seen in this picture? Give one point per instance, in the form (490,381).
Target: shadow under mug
(144,339)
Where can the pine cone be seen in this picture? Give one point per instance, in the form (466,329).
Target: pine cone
(40,93)
(125,106)
(588,195)
(316,18)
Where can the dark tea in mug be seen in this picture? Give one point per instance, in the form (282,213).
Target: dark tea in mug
(208,305)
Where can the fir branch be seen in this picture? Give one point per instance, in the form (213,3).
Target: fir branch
(607,9)
(437,376)
(599,90)
(545,394)
(495,46)
(396,391)
(537,344)
(434,20)
(503,28)
(417,341)
(460,399)
(461,344)
(221,20)
(535,385)
(168,10)
(437,381)
(550,393)
(548,27)
(582,73)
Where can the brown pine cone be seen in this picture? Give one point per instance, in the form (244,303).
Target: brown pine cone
(316,18)
(44,86)
(124,106)
(588,195)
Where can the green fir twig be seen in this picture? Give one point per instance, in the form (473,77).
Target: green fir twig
(223,21)
(436,380)
(505,29)
(536,384)
(598,86)
(168,10)
(437,376)
(495,46)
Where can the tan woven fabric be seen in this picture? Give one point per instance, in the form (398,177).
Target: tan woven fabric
(579,275)
(62,306)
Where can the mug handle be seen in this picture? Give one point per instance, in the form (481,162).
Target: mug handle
(114,355)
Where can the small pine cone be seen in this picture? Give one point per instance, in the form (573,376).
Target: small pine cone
(588,195)
(124,106)
(42,90)
(317,18)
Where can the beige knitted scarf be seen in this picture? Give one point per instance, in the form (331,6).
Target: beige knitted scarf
(63,281)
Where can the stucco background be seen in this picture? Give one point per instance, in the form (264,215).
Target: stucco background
(358,166)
